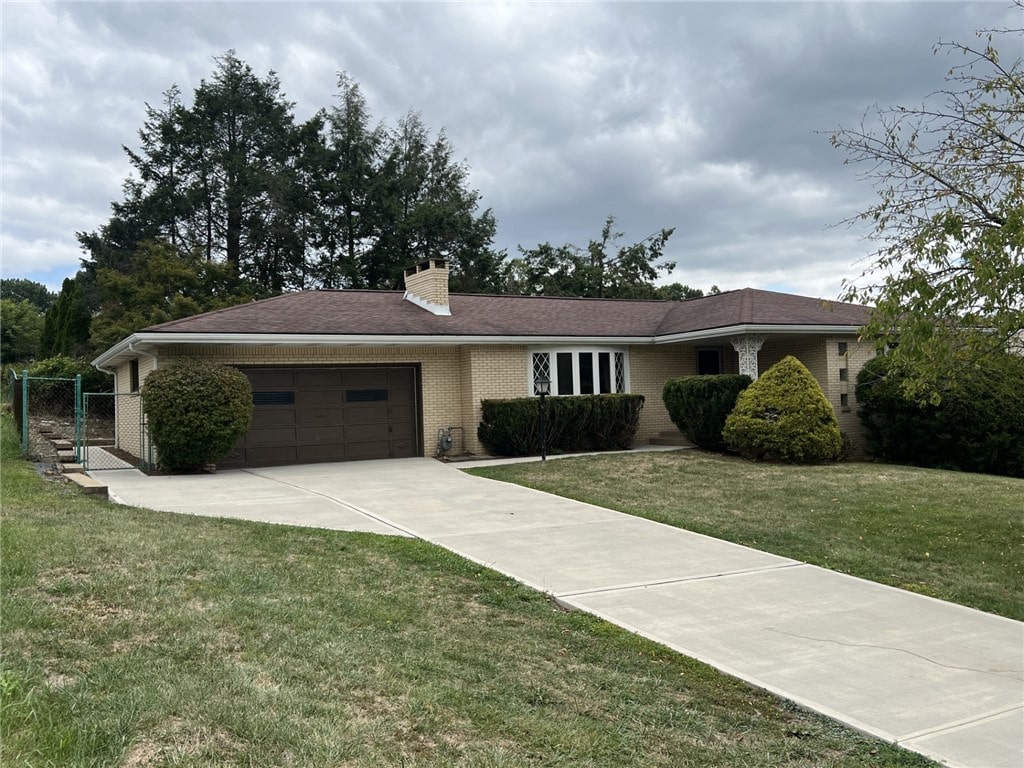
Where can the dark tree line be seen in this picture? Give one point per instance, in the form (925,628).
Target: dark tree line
(335,201)
(232,199)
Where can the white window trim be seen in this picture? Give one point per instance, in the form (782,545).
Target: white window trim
(553,366)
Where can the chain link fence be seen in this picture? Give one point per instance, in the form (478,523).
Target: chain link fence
(45,409)
(113,432)
(103,430)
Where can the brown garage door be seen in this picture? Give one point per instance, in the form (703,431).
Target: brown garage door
(307,415)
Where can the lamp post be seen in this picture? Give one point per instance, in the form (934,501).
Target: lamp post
(542,386)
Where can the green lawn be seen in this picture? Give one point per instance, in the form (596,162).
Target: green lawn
(951,535)
(137,638)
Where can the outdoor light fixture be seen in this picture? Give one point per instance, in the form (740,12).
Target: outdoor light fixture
(542,386)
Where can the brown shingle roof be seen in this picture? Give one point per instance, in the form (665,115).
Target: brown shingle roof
(387,313)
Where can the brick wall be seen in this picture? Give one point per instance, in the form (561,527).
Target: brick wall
(649,369)
(127,434)
(456,379)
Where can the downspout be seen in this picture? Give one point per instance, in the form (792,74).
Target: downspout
(131,348)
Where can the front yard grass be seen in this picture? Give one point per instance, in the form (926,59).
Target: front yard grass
(951,535)
(138,638)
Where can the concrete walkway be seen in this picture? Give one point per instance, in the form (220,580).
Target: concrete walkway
(934,677)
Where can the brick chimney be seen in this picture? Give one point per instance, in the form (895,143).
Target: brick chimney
(426,286)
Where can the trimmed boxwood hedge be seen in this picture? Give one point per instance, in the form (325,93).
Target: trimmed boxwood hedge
(573,423)
(699,405)
(196,411)
(977,426)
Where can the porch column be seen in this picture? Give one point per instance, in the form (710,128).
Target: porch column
(747,346)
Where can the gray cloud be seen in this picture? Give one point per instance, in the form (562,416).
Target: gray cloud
(697,116)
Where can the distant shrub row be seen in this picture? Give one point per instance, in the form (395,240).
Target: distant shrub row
(573,423)
(978,426)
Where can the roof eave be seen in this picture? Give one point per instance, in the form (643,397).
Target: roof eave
(143,342)
(777,329)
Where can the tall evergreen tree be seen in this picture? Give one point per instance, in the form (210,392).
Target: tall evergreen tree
(342,187)
(66,324)
(425,209)
(334,201)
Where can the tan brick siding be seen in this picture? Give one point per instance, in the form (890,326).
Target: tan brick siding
(128,435)
(455,379)
(649,369)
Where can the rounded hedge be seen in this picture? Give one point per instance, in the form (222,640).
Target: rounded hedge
(196,411)
(699,405)
(977,425)
(784,415)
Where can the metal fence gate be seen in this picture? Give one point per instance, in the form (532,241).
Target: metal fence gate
(107,430)
(43,404)
(113,432)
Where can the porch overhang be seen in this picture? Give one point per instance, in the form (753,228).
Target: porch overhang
(726,332)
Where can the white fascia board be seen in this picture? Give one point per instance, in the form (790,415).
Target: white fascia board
(739,330)
(116,351)
(142,342)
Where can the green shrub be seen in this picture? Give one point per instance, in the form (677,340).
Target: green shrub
(575,423)
(784,415)
(977,426)
(699,405)
(51,391)
(196,411)
(67,368)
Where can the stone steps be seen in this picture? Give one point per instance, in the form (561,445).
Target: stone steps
(87,484)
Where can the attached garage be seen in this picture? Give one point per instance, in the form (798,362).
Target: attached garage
(303,415)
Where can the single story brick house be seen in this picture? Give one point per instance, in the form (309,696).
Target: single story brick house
(359,374)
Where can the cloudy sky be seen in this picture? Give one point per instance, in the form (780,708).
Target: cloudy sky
(711,118)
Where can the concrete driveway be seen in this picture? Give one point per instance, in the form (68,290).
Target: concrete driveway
(934,677)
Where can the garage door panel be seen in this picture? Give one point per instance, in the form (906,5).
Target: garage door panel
(274,454)
(320,416)
(332,413)
(321,434)
(279,435)
(272,417)
(400,376)
(313,398)
(271,379)
(311,454)
(362,432)
(369,449)
(406,431)
(364,378)
(402,412)
(319,378)
(367,414)
(403,449)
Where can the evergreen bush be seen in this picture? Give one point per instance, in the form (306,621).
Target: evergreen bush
(977,425)
(784,415)
(699,405)
(573,423)
(196,411)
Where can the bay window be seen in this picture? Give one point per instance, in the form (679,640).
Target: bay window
(584,371)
